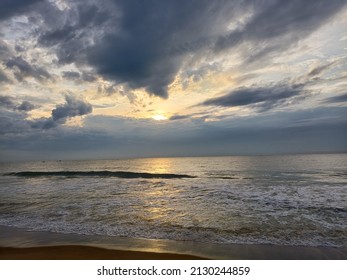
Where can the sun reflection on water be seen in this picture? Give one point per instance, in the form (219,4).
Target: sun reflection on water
(157,165)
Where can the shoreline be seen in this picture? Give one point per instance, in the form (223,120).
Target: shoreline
(20,244)
(78,252)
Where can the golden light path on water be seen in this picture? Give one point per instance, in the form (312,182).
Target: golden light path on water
(157,199)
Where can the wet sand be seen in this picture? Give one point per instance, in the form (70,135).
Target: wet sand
(19,244)
(77,252)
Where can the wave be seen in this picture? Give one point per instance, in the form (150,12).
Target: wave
(224,178)
(118,174)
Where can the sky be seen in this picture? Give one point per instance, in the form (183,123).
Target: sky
(87,79)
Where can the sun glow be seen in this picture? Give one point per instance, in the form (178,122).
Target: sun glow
(159,117)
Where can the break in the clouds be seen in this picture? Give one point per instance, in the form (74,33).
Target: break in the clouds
(172,77)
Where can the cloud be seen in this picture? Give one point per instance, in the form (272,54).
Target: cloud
(312,130)
(5,51)
(262,98)
(200,116)
(146,44)
(44,123)
(26,106)
(71,31)
(88,77)
(4,54)
(150,42)
(287,21)
(57,36)
(9,103)
(23,69)
(320,69)
(73,107)
(337,99)
(141,45)
(71,75)
(13,123)
(10,8)
(77,76)
(179,117)
(13,114)
(3,77)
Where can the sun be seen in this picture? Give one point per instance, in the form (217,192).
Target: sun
(159,117)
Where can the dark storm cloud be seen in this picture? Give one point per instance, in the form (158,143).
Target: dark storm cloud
(140,44)
(263,98)
(73,107)
(152,41)
(144,44)
(72,36)
(10,8)
(9,103)
(23,69)
(57,36)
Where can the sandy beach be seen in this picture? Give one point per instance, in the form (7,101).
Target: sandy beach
(19,244)
(77,252)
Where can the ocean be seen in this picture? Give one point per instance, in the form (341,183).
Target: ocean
(279,200)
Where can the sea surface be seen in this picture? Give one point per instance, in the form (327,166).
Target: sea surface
(280,200)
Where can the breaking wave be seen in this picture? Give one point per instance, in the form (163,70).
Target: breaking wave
(118,174)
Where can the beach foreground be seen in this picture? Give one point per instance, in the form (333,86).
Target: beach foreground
(77,252)
(19,244)
(250,252)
